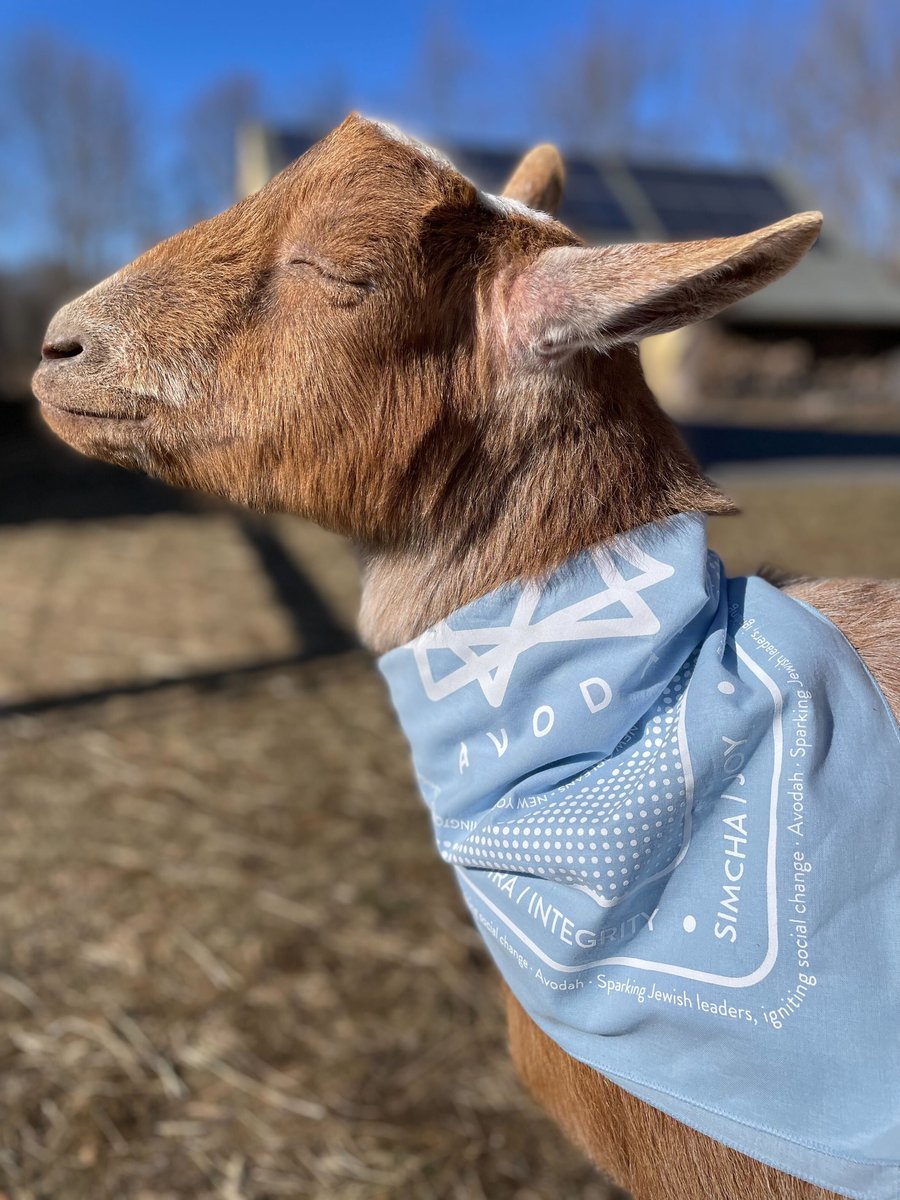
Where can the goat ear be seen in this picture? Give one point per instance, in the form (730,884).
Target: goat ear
(572,297)
(538,179)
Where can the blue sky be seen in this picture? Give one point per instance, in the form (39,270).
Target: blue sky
(369,53)
(173,50)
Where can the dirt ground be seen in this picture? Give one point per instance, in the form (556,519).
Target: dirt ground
(231,964)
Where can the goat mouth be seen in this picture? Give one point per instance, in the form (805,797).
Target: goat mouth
(89,414)
(61,401)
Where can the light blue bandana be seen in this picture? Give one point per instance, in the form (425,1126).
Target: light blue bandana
(673,803)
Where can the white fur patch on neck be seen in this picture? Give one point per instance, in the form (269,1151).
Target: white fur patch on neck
(397,135)
(512,208)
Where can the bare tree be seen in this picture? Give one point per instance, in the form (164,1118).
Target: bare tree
(823,104)
(327,103)
(841,101)
(446,61)
(628,83)
(820,98)
(588,91)
(79,121)
(209,133)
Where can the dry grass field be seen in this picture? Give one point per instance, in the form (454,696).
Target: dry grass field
(231,965)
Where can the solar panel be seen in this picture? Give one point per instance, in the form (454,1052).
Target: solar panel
(706,203)
(490,169)
(588,203)
(291,146)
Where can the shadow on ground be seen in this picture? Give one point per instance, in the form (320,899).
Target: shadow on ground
(42,480)
(232,966)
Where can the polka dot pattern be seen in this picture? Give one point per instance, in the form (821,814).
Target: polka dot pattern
(616,824)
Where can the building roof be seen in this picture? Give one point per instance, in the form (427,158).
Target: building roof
(609,199)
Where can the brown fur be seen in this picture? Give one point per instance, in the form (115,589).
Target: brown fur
(371,343)
(538,180)
(639,1147)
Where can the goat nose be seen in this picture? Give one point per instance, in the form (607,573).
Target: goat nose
(61,347)
(76,339)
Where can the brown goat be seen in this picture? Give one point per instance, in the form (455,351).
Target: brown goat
(372,343)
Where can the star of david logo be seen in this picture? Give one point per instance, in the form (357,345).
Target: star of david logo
(488,656)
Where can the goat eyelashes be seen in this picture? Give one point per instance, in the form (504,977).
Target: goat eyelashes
(352,288)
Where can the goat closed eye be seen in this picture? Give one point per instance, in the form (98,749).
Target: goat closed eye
(344,290)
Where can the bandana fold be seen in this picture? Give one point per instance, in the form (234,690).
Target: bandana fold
(672,801)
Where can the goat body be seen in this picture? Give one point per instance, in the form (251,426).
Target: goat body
(452,380)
